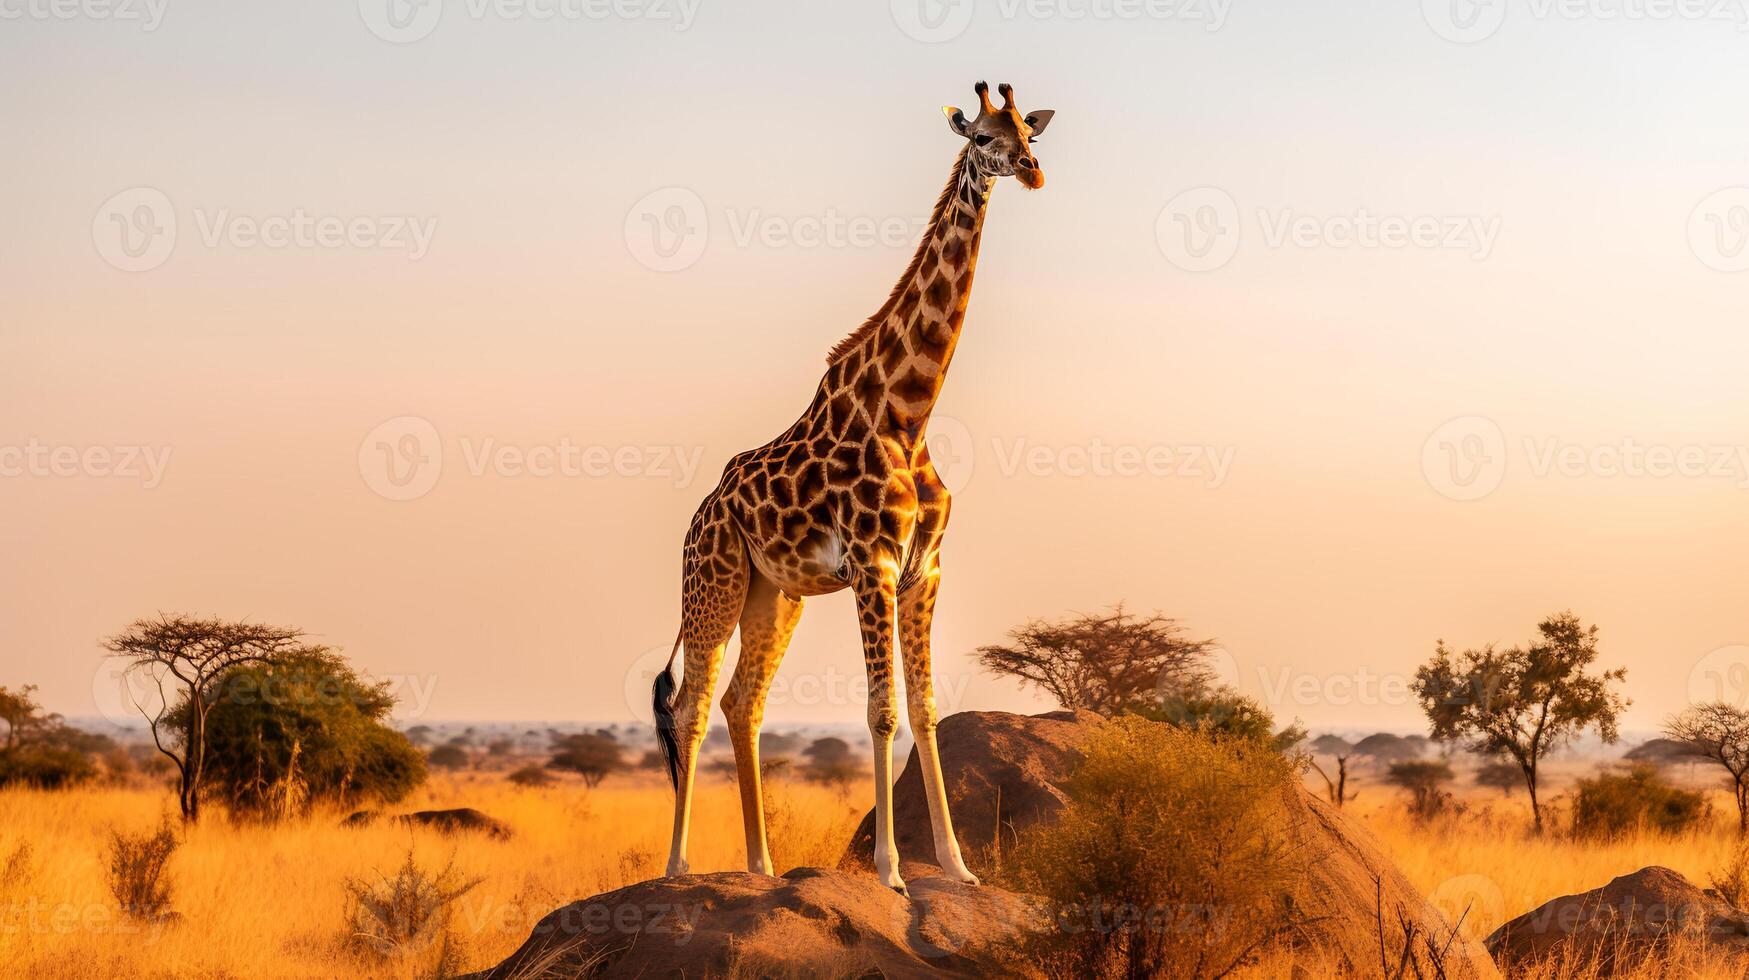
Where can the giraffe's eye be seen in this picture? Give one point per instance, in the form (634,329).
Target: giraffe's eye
(983,140)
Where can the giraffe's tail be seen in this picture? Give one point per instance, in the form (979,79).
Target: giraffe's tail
(662,697)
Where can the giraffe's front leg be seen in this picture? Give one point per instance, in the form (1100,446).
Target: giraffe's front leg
(876,607)
(916,613)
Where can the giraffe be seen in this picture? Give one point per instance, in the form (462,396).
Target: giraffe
(846,498)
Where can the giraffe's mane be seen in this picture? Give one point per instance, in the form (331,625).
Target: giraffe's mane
(879,317)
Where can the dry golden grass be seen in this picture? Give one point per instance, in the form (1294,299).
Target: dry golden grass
(257,901)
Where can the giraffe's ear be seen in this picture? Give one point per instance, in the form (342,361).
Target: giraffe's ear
(956,121)
(1038,119)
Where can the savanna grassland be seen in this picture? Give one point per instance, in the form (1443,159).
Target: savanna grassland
(253,900)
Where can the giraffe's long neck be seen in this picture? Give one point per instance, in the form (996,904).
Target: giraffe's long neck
(896,364)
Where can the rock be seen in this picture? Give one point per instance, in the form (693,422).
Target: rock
(845,923)
(811,922)
(1025,763)
(1622,923)
(999,768)
(461,820)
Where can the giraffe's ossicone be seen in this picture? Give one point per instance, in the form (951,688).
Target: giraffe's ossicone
(845,498)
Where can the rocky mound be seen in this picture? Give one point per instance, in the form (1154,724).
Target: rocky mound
(844,923)
(457,821)
(809,923)
(1019,765)
(1000,769)
(1622,924)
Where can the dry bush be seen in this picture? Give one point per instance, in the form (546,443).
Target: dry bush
(1172,857)
(17,870)
(531,777)
(136,872)
(1732,880)
(1611,804)
(408,912)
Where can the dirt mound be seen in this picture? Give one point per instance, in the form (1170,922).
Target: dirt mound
(1622,923)
(462,820)
(1000,769)
(809,923)
(1022,763)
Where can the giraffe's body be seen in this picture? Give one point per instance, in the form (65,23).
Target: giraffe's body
(845,498)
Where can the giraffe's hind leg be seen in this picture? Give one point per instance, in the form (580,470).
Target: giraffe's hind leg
(716,576)
(767,621)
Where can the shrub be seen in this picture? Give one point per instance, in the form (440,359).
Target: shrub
(449,757)
(1732,880)
(1611,804)
(302,730)
(531,777)
(406,912)
(38,749)
(1172,857)
(17,869)
(1424,779)
(136,872)
(1222,712)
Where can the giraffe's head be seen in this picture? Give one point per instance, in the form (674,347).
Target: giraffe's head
(999,137)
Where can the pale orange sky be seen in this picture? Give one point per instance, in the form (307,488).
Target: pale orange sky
(1604,161)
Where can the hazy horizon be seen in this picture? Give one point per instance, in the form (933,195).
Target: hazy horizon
(427,336)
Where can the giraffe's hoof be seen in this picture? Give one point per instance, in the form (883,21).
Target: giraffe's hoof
(900,888)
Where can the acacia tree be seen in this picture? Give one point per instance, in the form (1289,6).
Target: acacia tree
(592,755)
(1104,663)
(1522,702)
(185,658)
(1720,732)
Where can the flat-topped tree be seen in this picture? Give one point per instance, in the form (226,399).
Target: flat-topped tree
(1718,732)
(1522,702)
(185,657)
